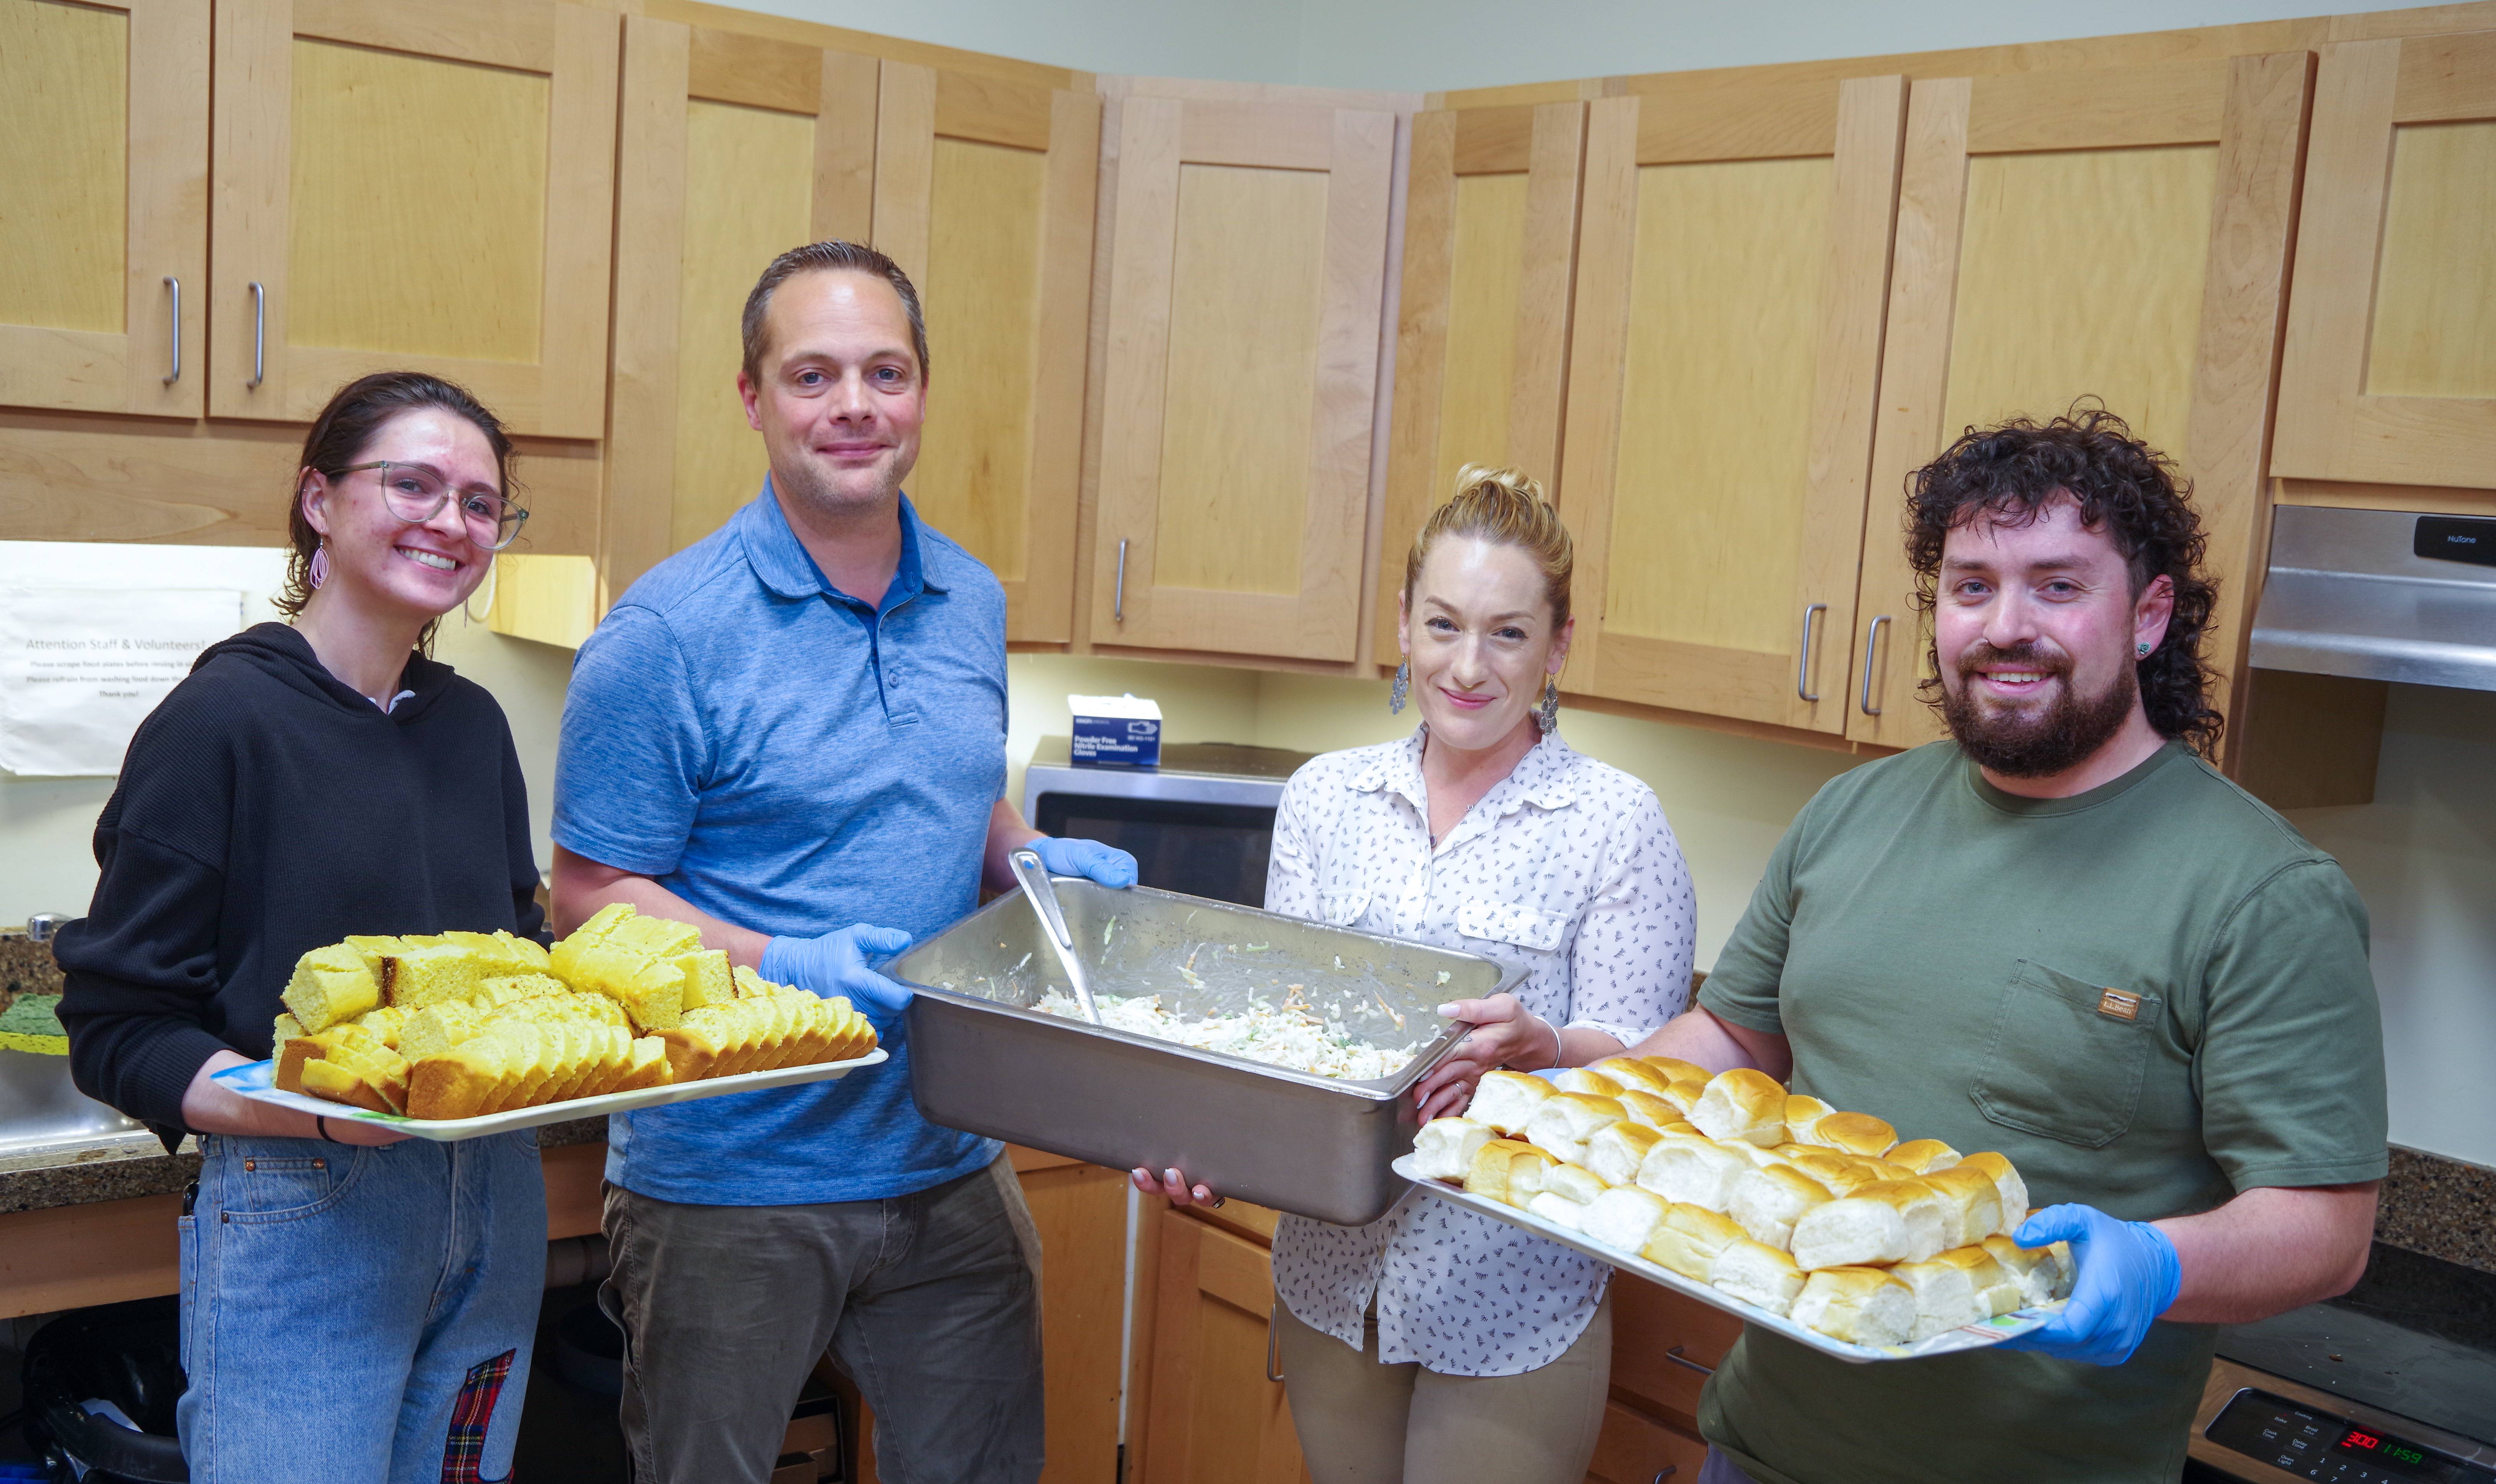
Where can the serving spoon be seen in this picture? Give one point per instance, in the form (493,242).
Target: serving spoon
(1043,896)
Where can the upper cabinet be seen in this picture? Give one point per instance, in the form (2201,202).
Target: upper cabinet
(984,190)
(2120,235)
(420,184)
(104,221)
(2389,374)
(736,148)
(1246,269)
(1482,339)
(1732,258)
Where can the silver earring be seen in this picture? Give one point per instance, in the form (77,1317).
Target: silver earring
(1403,687)
(2145,651)
(468,607)
(1548,715)
(320,569)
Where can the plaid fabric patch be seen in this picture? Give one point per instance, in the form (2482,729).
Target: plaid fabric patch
(464,1453)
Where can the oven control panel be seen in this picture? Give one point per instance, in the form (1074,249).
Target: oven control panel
(2315,1445)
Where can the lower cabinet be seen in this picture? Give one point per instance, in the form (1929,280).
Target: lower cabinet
(1215,1411)
(1636,1449)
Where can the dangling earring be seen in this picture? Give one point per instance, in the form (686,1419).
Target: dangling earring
(468,609)
(1548,715)
(1403,687)
(319,568)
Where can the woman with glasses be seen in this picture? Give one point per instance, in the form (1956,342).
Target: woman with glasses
(356,1305)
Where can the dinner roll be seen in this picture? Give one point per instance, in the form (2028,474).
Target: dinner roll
(1997,1293)
(1689,1238)
(1759,1274)
(1557,1209)
(1652,1111)
(1850,1231)
(1632,1074)
(1802,1111)
(1744,1103)
(1487,1175)
(1507,1099)
(1767,1202)
(1843,1173)
(1856,1133)
(1574,1182)
(1974,1201)
(1672,1068)
(1624,1218)
(1566,1120)
(1683,1094)
(1445,1148)
(1694,1171)
(1921,1157)
(1583,1079)
(2007,1184)
(1861,1305)
(1527,1172)
(1944,1296)
(1615,1152)
(2038,1271)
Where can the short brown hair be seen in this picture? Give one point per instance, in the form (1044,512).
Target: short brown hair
(1507,508)
(823,257)
(2009,472)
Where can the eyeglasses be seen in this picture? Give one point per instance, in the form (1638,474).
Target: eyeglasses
(417,492)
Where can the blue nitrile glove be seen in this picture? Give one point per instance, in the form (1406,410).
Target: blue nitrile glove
(835,964)
(1089,858)
(2128,1277)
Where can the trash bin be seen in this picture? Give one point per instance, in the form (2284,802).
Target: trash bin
(99,1386)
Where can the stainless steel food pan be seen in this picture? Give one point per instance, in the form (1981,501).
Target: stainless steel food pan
(982,1059)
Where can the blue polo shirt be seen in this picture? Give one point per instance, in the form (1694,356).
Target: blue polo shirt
(793,760)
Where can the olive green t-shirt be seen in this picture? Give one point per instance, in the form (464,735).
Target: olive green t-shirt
(1938,953)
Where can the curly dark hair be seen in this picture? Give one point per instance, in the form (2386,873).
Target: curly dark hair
(2011,472)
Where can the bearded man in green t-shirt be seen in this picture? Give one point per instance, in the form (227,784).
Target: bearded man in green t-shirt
(2063,936)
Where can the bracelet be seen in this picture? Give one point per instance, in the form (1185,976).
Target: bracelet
(320,1126)
(1557,1052)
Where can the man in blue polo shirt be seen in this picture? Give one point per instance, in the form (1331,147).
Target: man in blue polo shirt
(792,735)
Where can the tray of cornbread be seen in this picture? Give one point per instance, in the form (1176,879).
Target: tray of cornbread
(455,1035)
(1814,1223)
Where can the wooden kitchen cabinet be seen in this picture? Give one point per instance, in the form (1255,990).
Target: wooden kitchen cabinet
(1635,1448)
(104,220)
(1245,273)
(1215,1412)
(1481,337)
(422,184)
(1733,252)
(2390,371)
(737,148)
(2121,235)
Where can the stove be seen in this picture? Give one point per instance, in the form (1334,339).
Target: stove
(2393,1382)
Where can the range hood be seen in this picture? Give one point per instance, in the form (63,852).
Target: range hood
(2381,594)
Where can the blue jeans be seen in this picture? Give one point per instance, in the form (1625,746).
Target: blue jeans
(359,1314)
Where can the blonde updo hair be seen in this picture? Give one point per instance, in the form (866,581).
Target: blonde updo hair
(1507,508)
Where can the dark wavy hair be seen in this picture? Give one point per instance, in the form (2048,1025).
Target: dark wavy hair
(2011,472)
(339,437)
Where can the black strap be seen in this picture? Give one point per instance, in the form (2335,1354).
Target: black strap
(322,1125)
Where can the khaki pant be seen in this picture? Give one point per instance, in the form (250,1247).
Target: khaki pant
(1362,1422)
(928,1301)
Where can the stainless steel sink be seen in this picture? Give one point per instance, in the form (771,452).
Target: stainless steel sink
(41,1113)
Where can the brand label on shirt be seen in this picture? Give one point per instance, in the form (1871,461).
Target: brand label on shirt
(2115,1004)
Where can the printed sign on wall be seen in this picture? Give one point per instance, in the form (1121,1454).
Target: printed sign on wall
(82,668)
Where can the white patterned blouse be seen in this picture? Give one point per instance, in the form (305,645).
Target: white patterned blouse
(1567,866)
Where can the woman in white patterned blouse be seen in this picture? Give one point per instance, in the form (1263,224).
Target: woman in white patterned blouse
(1433,1343)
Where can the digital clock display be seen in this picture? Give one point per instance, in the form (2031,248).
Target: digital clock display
(2402,1460)
(2376,1446)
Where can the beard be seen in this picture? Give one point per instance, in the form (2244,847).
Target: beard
(2041,742)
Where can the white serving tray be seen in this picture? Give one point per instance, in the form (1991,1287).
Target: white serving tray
(1967,1337)
(254,1082)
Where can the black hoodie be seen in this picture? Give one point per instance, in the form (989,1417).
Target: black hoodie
(266,809)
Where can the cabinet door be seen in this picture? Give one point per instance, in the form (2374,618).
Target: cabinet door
(1665,1346)
(1081,1213)
(734,149)
(414,184)
(2389,375)
(1482,339)
(1732,255)
(1247,260)
(983,194)
(1217,1409)
(2121,235)
(104,221)
(1636,1449)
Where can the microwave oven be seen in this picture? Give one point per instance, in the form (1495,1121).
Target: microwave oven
(1202,822)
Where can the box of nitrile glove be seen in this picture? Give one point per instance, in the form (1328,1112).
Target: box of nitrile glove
(1117,731)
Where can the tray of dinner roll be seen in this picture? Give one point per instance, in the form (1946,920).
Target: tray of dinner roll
(455,1035)
(1815,1222)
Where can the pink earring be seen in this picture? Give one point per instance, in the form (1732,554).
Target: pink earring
(320,571)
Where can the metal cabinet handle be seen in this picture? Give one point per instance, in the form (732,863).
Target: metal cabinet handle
(1272,1374)
(176,375)
(1802,667)
(1871,652)
(259,337)
(1664,1472)
(1686,1362)
(1118,599)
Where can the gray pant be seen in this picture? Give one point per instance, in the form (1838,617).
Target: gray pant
(926,1301)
